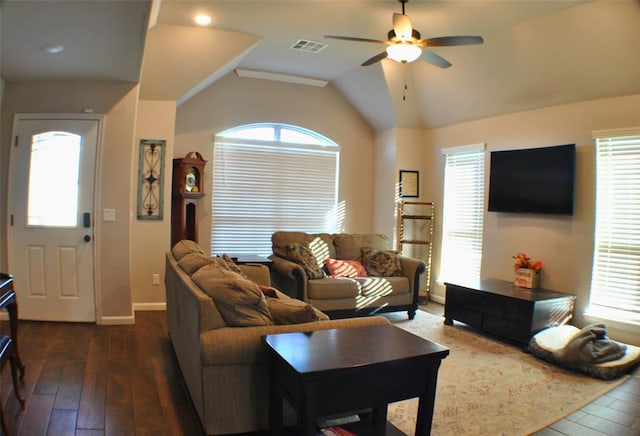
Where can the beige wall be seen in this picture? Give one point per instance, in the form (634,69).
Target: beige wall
(563,244)
(396,149)
(385,182)
(118,103)
(115,192)
(411,157)
(150,239)
(234,101)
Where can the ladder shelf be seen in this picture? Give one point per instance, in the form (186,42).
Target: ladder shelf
(415,235)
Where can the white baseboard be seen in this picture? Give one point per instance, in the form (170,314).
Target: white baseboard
(117,320)
(146,307)
(437,298)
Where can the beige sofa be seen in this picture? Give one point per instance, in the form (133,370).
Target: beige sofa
(392,285)
(225,368)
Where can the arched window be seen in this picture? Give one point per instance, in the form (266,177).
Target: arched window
(270,177)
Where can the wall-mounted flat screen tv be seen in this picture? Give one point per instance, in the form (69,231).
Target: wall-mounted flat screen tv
(533,180)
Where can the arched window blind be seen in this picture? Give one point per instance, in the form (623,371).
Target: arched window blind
(615,281)
(463,213)
(270,177)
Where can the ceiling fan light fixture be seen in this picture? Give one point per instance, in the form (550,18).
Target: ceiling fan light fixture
(404,53)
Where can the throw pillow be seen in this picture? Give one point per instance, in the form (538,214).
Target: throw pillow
(192,262)
(212,271)
(240,302)
(345,268)
(232,265)
(268,291)
(348,245)
(381,263)
(184,247)
(291,311)
(302,255)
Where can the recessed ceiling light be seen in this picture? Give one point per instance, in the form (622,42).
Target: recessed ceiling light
(202,20)
(52,48)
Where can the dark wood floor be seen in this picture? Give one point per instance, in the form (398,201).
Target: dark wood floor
(83,379)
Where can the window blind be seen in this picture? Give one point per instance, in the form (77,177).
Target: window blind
(262,188)
(615,281)
(463,213)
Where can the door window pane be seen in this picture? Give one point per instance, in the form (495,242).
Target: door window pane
(53,179)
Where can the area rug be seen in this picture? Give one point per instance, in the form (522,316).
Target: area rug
(486,386)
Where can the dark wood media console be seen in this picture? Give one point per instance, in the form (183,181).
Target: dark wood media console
(499,307)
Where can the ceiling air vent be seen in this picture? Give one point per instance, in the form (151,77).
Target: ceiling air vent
(308,46)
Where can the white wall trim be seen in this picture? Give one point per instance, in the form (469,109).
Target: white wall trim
(289,78)
(600,134)
(117,320)
(471,148)
(437,298)
(149,306)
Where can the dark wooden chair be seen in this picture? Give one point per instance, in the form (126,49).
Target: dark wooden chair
(7,353)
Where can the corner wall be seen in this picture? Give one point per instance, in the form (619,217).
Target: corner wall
(117,101)
(563,244)
(150,239)
(396,149)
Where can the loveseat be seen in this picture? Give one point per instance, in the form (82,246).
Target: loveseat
(216,316)
(346,274)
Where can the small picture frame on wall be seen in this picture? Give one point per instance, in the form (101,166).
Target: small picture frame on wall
(409,184)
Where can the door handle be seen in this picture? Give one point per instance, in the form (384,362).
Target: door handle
(86,219)
(87,238)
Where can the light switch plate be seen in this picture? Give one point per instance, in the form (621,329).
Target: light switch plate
(109,215)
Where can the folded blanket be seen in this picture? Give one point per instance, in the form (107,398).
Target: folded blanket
(591,345)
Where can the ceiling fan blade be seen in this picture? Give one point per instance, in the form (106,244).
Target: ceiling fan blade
(434,59)
(444,41)
(402,27)
(356,39)
(376,58)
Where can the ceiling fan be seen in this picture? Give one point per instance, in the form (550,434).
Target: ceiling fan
(405,45)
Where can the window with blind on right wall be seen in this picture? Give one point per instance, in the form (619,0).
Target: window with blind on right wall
(463,213)
(615,281)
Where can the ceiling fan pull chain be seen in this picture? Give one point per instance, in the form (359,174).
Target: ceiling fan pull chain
(404,92)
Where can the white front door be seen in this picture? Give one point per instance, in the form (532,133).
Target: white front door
(51,217)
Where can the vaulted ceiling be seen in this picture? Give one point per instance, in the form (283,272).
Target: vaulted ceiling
(536,53)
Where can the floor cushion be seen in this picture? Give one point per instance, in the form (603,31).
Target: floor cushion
(548,344)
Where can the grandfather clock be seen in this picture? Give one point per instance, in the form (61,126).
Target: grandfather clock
(187,189)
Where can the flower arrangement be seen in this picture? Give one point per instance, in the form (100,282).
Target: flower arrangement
(522,260)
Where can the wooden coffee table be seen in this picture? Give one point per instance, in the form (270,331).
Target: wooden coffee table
(329,372)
